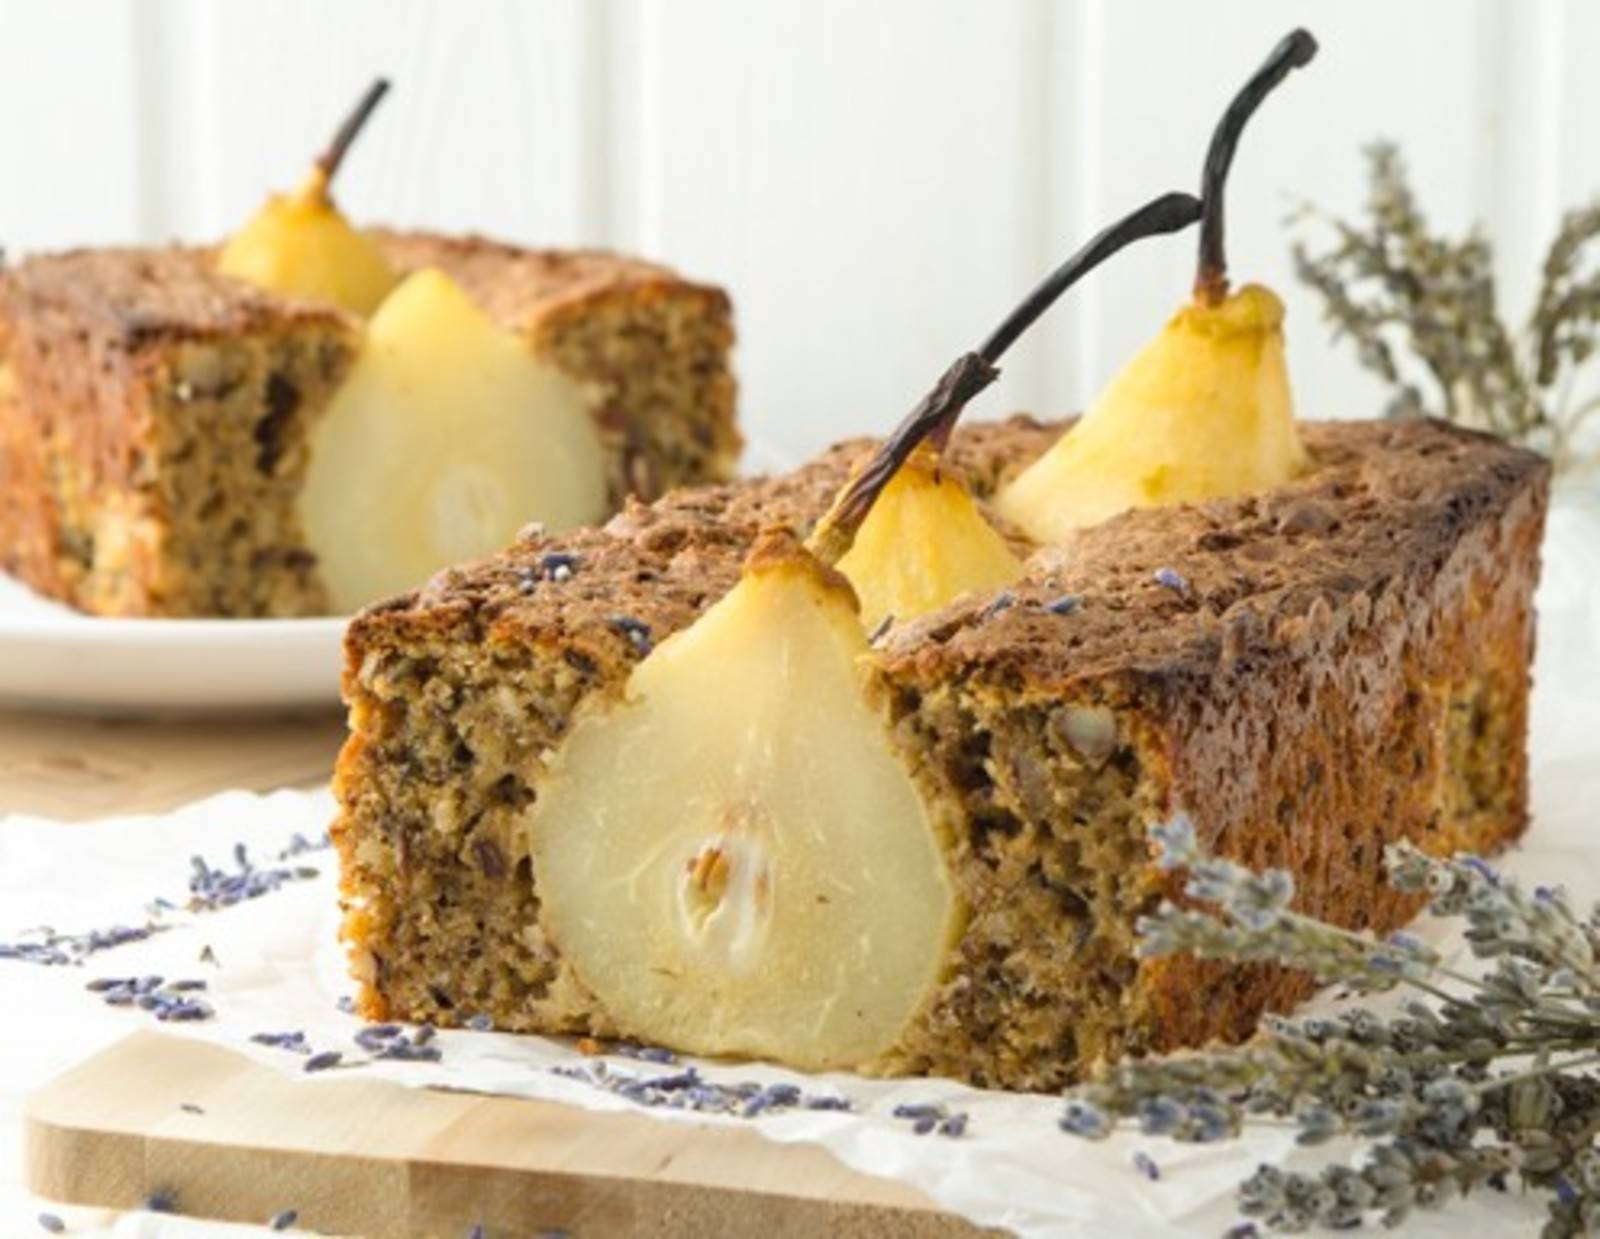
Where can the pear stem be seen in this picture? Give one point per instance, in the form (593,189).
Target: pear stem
(935,415)
(1293,50)
(328,162)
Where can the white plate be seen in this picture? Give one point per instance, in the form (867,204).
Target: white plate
(53,657)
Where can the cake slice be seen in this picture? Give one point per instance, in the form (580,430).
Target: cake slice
(1308,673)
(156,416)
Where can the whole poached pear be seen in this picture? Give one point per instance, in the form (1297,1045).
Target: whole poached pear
(1203,412)
(299,243)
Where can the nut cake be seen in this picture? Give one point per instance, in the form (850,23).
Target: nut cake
(1308,674)
(154,414)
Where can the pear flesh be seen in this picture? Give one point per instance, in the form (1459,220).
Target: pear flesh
(733,858)
(301,245)
(924,543)
(1204,412)
(447,436)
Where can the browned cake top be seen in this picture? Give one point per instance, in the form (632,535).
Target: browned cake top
(1156,592)
(142,295)
(518,286)
(1165,593)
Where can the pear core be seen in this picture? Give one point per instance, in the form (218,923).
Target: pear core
(924,543)
(299,244)
(1204,412)
(732,858)
(446,438)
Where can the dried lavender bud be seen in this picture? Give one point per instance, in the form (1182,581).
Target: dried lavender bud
(1146,1165)
(557,566)
(283,1219)
(1172,579)
(162,1200)
(51,1223)
(49,948)
(636,631)
(323,1061)
(293,1041)
(686,1090)
(1002,601)
(1067,604)
(211,889)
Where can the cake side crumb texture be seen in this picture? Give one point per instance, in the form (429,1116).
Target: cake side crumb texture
(153,423)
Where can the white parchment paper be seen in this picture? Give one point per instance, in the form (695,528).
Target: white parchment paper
(279,969)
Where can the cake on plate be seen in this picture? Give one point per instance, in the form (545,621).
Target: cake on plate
(311,416)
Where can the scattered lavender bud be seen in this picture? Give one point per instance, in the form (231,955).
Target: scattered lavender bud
(189,1107)
(283,1219)
(1002,601)
(1067,604)
(162,1200)
(955,1126)
(1171,578)
(293,1041)
(636,631)
(686,1090)
(323,1061)
(1146,1165)
(924,1125)
(51,1223)
(558,566)
(49,948)
(480,1023)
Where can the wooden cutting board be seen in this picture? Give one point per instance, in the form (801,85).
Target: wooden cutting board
(371,1158)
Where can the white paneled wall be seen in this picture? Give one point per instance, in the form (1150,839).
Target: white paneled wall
(875,180)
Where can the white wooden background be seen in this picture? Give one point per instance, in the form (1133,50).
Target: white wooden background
(875,180)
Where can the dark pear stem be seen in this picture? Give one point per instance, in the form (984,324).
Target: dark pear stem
(1293,50)
(328,162)
(935,415)
(1169,213)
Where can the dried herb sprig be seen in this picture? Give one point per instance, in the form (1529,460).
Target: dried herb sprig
(1398,290)
(1483,1078)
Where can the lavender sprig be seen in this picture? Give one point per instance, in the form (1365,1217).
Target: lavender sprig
(1459,1091)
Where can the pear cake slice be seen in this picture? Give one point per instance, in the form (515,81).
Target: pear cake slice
(794,903)
(159,419)
(563,808)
